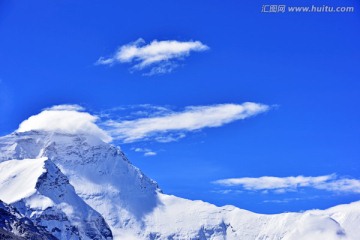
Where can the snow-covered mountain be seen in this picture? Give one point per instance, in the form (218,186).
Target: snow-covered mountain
(76,185)
(16,226)
(39,191)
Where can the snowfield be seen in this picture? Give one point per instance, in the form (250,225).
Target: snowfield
(80,187)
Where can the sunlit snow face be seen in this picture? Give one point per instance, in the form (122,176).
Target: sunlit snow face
(65,119)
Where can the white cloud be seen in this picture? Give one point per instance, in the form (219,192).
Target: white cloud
(66,107)
(151,153)
(227,191)
(285,184)
(273,182)
(287,200)
(147,152)
(128,112)
(172,125)
(159,56)
(65,119)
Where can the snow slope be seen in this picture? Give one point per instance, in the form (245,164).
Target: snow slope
(135,208)
(15,226)
(184,219)
(38,189)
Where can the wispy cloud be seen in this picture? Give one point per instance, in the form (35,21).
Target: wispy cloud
(227,191)
(285,184)
(287,200)
(158,57)
(146,151)
(130,112)
(173,125)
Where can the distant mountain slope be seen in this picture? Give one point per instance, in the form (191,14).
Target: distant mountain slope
(39,191)
(133,205)
(15,226)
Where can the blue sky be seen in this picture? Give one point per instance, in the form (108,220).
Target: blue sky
(303,66)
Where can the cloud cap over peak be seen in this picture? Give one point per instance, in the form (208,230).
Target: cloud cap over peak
(65,119)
